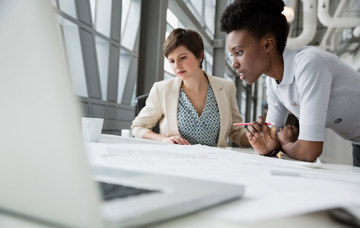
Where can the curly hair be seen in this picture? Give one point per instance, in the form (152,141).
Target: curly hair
(187,37)
(259,17)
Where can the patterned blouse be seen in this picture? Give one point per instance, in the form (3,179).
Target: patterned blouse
(203,129)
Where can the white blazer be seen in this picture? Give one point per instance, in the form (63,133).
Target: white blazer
(162,106)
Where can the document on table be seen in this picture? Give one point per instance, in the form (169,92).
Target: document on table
(270,189)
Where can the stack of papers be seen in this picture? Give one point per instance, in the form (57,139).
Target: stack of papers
(274,187)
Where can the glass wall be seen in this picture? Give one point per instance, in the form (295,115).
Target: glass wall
(72,46)
(115,45)
(204,12)
(174,22)
(130,25)
(101,43)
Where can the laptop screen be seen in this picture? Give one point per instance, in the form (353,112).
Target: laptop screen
(43,168)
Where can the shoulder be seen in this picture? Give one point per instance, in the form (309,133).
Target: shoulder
(165,83)
(221,82)
(168,84)
(311,56)
(314,70)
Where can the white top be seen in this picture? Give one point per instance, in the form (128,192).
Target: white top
(320,90)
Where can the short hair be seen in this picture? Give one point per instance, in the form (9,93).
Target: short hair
(259,17)
(189,38)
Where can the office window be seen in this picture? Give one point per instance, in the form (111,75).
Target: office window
(172,23)
(196,6)
(72,46)
(101,42)
(132,80)
(167,67)
(204,12)
(110,53)
(103,52)
(125,61)
(130,25)
(243,104)
(127,77)
(168,73)
(130,21)
(209,15)
(68,7)
(101,15)
(208,62)
(228,57)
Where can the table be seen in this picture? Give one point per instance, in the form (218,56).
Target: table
(318,186)
(279,192)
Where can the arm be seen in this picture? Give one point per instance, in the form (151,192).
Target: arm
(303,150)
(313,82)
(171,139)
(314,85)
(298,149)
(149,116)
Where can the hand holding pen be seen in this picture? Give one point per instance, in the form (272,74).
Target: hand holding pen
(262,138)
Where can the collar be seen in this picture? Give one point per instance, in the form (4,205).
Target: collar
(213,83)
(289,60)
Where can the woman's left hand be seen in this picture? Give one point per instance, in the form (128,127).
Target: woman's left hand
(176,140)
(288,134)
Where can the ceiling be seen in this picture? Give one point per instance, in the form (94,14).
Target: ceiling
(336,38)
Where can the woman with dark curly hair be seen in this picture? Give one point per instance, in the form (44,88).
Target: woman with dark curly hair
(314,85)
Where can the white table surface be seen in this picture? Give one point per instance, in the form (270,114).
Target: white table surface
(334,175)
(214,217)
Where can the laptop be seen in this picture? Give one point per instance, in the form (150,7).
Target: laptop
(44,172)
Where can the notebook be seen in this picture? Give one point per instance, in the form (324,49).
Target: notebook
(44,173)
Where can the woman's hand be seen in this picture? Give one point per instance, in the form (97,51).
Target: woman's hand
(262,138)
(288,134)
(175,140)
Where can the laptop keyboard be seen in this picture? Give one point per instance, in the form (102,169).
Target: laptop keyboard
(113,191)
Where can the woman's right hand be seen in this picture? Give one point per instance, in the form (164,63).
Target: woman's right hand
(262,138)
(175,140)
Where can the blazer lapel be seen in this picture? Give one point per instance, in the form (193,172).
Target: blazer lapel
(222,102)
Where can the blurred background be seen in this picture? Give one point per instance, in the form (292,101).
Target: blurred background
(114,51)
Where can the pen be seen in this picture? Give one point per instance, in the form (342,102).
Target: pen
(242,124)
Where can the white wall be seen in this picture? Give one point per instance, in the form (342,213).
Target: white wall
(336,149)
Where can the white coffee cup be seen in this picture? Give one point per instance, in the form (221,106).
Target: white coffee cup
(125,132)
(91,128)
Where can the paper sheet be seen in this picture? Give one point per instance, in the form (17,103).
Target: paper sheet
(270,191)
